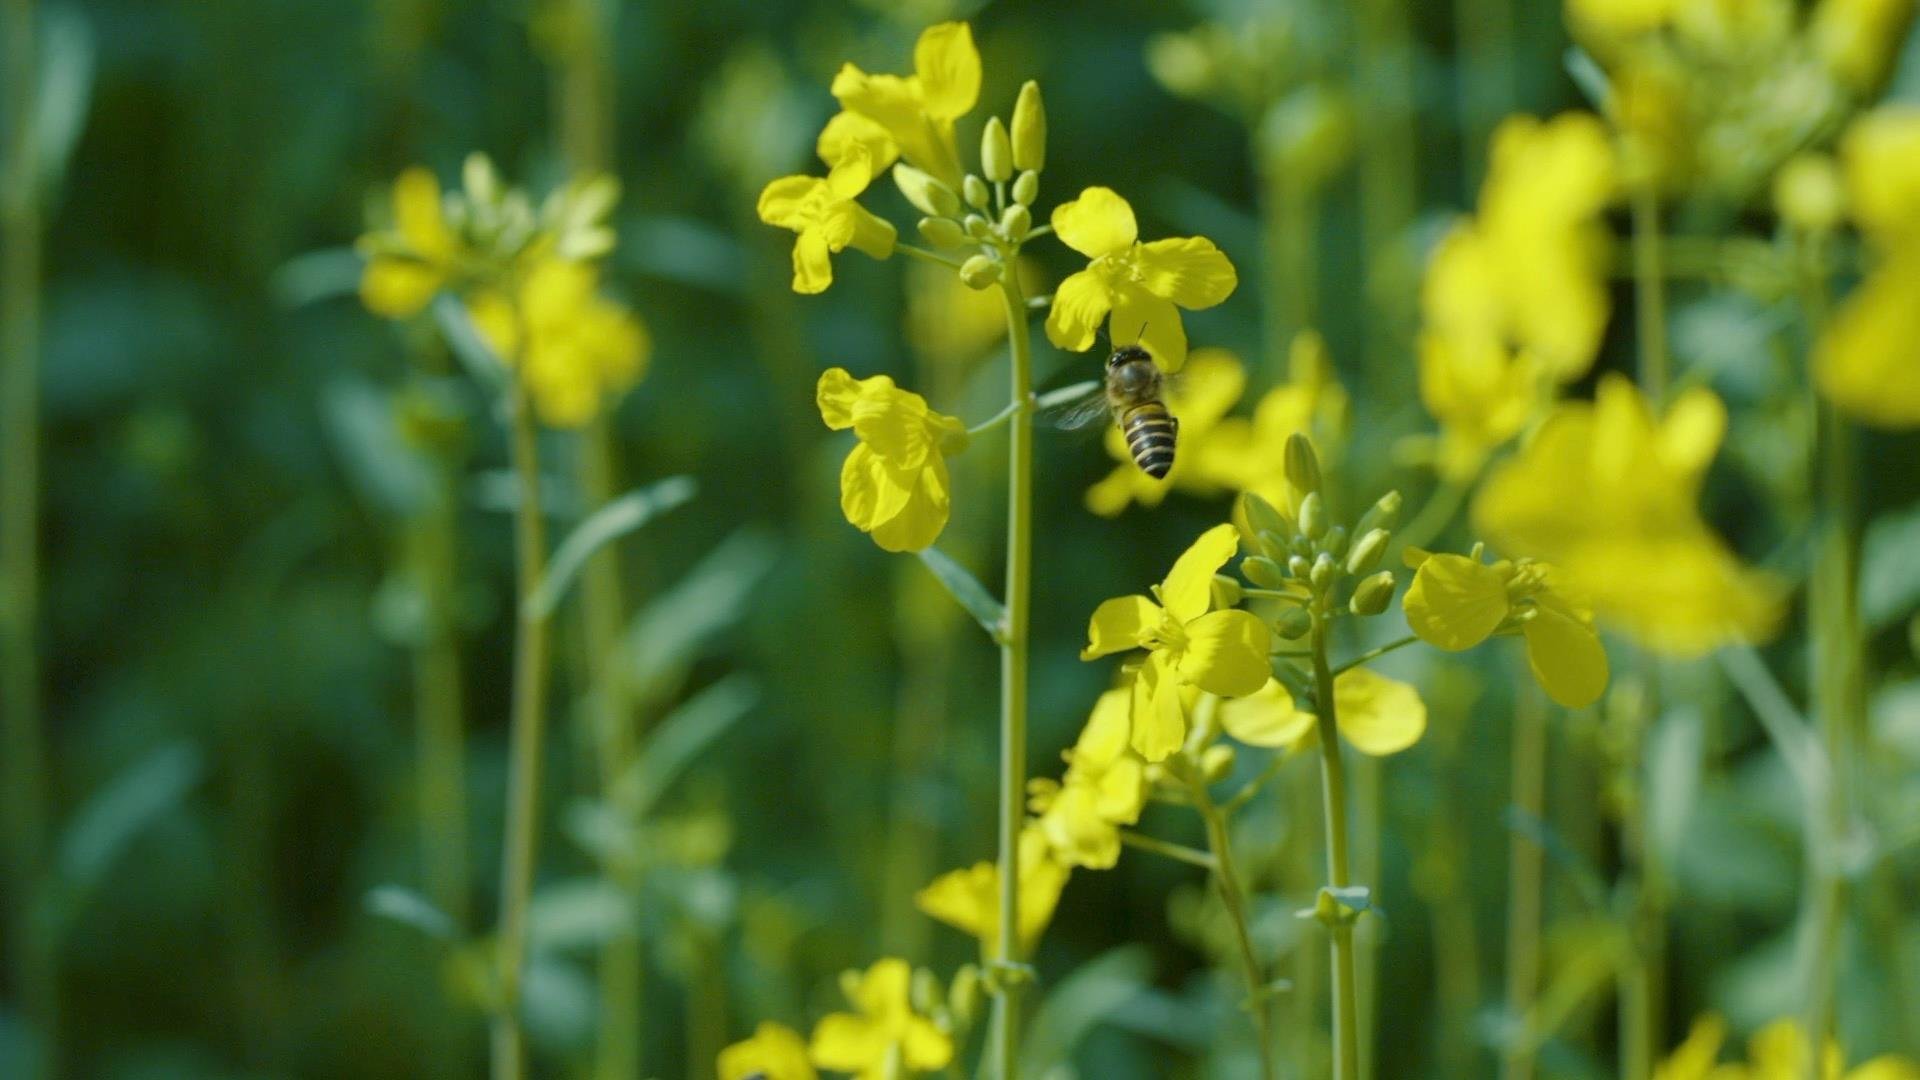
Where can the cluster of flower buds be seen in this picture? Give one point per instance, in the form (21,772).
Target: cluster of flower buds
(1301,552)
(993,210)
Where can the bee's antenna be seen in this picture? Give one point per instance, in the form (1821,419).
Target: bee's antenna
(1143,331)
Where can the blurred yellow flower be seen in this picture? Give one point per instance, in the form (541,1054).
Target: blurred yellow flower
(949,323)
(1187,643)
(1609,496)
(575,350)
(1779,1051)
(1857,39)
(1210,385)
(1481,395)
(826,219)
(1694,1059)
(1880,157)
(1456,602)
(1104,788)
(884,1027)
(1142,286)
(969,899)
(917,111)
(409,263)
(1620,18)
(894,485)
(1867,361)
(775,1052)
(1377,715)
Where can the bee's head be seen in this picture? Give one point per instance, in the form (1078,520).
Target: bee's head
(1127,354)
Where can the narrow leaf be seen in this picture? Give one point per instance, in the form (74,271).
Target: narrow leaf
(967,591)
(579,913)
(607,524)
(65,94)
(409,908)
(130,804)
(1589,77)
(464,337)
(1889,574)
(681,737)
(1081,1002)
(1586,879)
(667,636)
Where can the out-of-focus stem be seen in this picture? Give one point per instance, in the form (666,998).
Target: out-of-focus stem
(1649,294)
(1013,670)
(1287,216)
(1233,897)
(439,702)
(528,723)
(22,741)
(1524,873)
(1346,1018)
(1484,30)
(1366,862)
(1388,181)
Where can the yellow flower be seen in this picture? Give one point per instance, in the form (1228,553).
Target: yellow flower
(1880,157)
(1142,286)
(1867,361)
(574,349)
(1694,1059)
(1481,394)
(1187,643)
(969,899)
(407,265)
(917,111)
(1609,496)
(1456,603)
(1857,39)
(1105,787)
(1779,1052)
(884,1026)
(776,1052)
(827,219)
(1210,386)
(894,485)
(1378,715)
(1619,18)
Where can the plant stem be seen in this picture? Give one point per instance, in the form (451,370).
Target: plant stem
(927,256)
(1333,787)
(31,952)
(1389,182)
(1524,873)
(1168,849)
(1649,294)
(1013,665)
(1374,654)
(523,766)
(1287,240)
(1233,898)
(439,704)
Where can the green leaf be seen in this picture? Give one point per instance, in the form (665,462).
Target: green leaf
(607,524)
(409,908)
(668,634)
(1081,1002)
(1889,573)
(681,737)
(118,813)
(1587,880)
(384,469)
(580,913)
(65,94)
(313,276)
(471,349)
(1673,754)
(967,591)
(1590,77)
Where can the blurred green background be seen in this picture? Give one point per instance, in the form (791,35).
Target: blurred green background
(229,605)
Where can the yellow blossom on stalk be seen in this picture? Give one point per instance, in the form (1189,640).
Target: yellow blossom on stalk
(1105,787)
(1141,286)
(1457,602)
(969,899)
(894,485)
(1620,18)
(1857,39)
(883,1027)
(1779,1051)
(1880,157)
(775,1052)
(411,262)
(1188,644)
(1609,495)
(917,111)
(1867,361)
(826,219)
(1377,715)
(573,349)
(1695,1058)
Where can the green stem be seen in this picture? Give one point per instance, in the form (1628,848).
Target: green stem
(1525,874)
(30,951)
(1013,668)
(1286,229)
(439,704)
(1649,294)
(1169,850)
(1388,178)
(523,765)
(1233,897)
(927,256)
(1333,787)
(1374,654)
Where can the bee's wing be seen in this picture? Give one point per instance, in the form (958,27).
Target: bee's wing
(1078,406)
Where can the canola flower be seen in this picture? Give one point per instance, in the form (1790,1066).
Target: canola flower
(917,112)
(1778,1051)
(574,349)
(968,899)
(412,261)
(774,1052)
(1456,602)
(884,1037)
(1632,539)
(894,485)
(1376,715)
(1867,361)
(826,219)
(1103,790)
(1139,288)
(1188,644)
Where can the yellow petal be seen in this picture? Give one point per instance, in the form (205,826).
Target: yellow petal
(1140,317)
(1226,653)
(1077,832)
(1694,1058)
(836,393)
(1566,657)
(925,1047)
(850,132)
(812,264)
(929,503)
(783,201)
(417,215)
(1213,381)
(396,288)
(1188,590)
(1868,360)
(498,325)
(775,1052)
(1455,602)
(949,69)
(847,1043)
(852,173)
(1691,431)
(1159,713)
(1188,270)
(1120,624)
(1098,223)
(1104,739)
(1079,305)
(1267,718)
(872,493)
(1378,715)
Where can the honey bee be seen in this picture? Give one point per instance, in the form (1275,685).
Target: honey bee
(1130,395)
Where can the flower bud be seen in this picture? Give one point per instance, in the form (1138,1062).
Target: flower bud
(1264,572)
(979,272)
(850,984)
(975,189)
(1372,595)
(1216,762)
(1227,592)
(996,152)
(1293,623)
(1262,518)
(1807,193)
(1029,129)
(1381,515)
(924,991)
(1026,188)
(1335,543)
(1322,570)
(943,232)
(963,995)
(1303,465)
(1367,551)
(1015,222)
(1313,514)
(926,193)
(977,227)
(1299,567)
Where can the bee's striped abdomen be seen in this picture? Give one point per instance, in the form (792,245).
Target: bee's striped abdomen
(1150,432)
